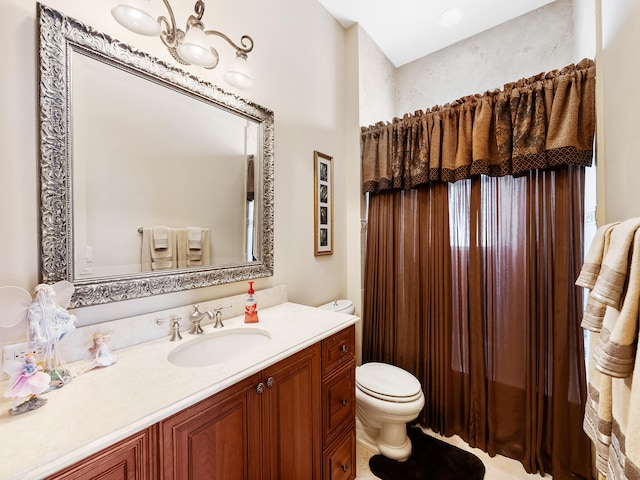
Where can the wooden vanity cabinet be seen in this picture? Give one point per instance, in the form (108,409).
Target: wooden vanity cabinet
(133,458)
(264,427)
(338,405)
(293,420)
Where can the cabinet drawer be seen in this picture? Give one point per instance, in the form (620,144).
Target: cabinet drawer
(340,458)
(338,393)
(338,349)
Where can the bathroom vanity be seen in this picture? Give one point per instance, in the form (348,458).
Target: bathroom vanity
(282,410)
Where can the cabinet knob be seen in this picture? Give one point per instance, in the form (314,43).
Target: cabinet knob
(260,388)
(270,382)
(343,402)
(344,468)
(343,348)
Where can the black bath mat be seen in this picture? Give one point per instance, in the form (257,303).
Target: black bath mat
(431,459)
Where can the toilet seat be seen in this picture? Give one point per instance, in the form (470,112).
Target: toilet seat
(387,382)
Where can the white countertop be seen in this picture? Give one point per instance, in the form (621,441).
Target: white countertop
(108,404)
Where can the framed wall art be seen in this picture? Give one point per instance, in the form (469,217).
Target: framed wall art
(323,203)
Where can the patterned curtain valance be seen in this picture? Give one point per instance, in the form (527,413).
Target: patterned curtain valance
(541,122)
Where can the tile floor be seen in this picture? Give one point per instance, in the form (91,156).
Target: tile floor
(497,468)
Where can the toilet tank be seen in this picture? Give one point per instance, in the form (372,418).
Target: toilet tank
(340,306)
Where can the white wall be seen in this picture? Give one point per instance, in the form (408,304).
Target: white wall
(299,73)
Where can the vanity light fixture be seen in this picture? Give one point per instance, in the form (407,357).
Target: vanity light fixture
(190,46)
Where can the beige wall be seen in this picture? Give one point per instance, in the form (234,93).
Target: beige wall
(299,70)
(618,107)
(539,41)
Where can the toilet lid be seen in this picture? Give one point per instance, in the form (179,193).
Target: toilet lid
(387,382)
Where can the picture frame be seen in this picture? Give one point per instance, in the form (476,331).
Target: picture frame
(323,203)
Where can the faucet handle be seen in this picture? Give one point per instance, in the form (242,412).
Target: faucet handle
(217,309)
(175,327)
(218,316)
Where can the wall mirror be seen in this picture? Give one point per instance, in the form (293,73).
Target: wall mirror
(129,143)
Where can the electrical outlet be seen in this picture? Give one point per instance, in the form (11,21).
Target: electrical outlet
(13,355)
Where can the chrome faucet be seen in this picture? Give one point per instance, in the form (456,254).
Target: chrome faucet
(218,316)
(175,327)
(196,318)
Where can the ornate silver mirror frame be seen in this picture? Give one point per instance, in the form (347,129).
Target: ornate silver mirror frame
(59,36)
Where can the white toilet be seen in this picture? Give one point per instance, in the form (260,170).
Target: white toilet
(387,398)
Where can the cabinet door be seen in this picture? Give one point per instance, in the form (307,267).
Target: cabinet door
(216,439)
(130,459)
(339,406)
(292,417)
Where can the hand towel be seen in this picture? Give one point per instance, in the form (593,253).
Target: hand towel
(616,349)
(163,259)
(195,238)
(593,260)
(160,238)
(612,278)
(198,258)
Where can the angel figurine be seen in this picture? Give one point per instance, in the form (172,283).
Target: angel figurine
(102,356)
(29,381)
(49,322)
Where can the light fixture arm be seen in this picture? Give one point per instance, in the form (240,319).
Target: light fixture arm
(169,34)
(246,48)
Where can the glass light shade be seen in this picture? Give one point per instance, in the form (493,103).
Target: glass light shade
(451,17)
(239,73)
(137,16)
(195,49)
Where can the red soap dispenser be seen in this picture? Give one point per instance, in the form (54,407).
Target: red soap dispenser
(251,306)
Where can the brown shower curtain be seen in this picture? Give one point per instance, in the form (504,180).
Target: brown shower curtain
(470,285)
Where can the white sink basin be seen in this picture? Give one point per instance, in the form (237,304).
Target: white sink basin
(218,347)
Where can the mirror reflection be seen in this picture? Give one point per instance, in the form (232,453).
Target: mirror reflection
(155,167)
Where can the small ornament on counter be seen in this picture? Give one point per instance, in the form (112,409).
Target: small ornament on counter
(102,356)
(28,382)
(49,322)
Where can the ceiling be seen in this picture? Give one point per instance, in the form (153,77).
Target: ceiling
(406,30)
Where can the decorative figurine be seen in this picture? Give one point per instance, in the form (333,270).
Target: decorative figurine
(49,322)
(29,381)
(102,356)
